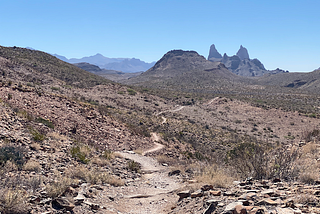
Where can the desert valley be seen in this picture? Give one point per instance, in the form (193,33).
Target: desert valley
(186,134)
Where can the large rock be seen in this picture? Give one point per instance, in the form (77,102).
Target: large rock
(243,53)
(214,55)
(63,203)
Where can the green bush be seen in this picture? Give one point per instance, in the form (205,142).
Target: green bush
(11,153)
(45,122)
(36,135)
(134,166)
(80,153)
(131,91)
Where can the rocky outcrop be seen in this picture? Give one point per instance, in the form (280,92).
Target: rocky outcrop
(251,196)
(243,53)
(177,62)
(241,64)
(214,55)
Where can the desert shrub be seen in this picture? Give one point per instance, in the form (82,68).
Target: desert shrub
(58,186)
(80,153)
(131,91)
(249,160)
(108,154)
(311,135)
(45,122)
(261,161)
(215,176)
(34,183)
(134,166)
(282,163)
(13,201)
(25,114)
(55,88)
(13,154)
(36,135)
(32,165)
(94,176)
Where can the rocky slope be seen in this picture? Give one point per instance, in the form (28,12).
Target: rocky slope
(66,141)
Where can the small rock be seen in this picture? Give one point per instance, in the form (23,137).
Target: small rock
(196,194)
(184,194)
(174,172)
(206,187)
(231,206)
(92,205)
(215,193)
(239,209)
(63,203)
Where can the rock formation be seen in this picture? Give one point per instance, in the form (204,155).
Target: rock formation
(214,55)
(243,53)
(241,64)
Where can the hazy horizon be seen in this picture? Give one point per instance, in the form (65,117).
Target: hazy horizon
(281,34)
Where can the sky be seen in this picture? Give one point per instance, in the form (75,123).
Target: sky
(280,33)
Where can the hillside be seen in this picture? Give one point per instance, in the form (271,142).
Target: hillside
(28,64)
(188,137)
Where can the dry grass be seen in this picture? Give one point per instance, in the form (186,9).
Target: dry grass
(310,149)
(93,176)
(100,161)
(35,146)
(57,136)
(9,167)
(108,154)
(58,187)
(13,201)
(215,176)
(32,165)
(306,199)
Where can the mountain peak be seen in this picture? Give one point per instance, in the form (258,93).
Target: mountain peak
(243,53)
(213,53)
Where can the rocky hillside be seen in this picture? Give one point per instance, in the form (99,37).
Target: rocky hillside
(178,63)
(82,144)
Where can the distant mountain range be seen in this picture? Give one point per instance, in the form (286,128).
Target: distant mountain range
(127,65)
(241,64)
(109,74)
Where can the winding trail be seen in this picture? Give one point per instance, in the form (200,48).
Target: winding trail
(154,192)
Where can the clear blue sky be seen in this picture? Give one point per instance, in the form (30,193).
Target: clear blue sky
(281,33)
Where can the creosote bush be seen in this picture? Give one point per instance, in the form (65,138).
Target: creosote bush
(13,201)
(261,161)
(36,135)
(81,153)
(45,122)
(13,154)
(134,166)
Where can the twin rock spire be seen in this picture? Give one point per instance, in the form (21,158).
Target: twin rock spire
(214,55)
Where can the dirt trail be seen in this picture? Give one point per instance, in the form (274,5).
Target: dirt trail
(174,110)
(154,193)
